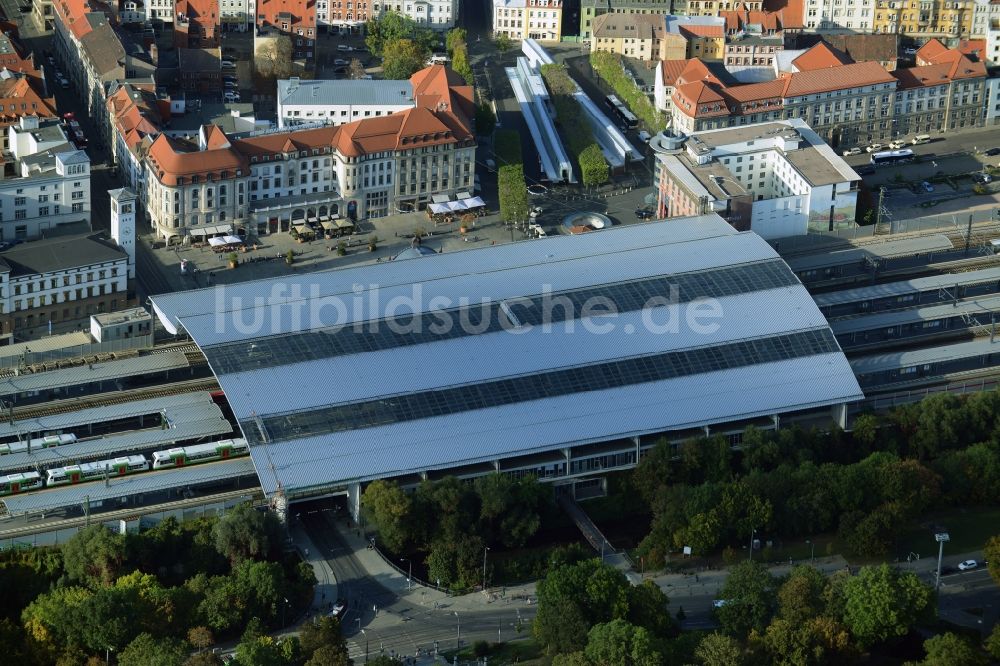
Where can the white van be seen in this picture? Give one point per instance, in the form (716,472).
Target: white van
(921,138)
(438,59)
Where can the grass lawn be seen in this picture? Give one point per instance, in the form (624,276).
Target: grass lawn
(522,651)
(968,528)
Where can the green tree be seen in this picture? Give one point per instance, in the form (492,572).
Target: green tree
(246,533)
(203,659)
(511,509)
(454,39)
(146,650)
(200,637)
(993,642)
(55,620)
(403,58)
(456,561)
(389,508)
(502,43)
(719,650)
(952,650)
(647,608)
(571,659)
(991,553)
(801,596)
(749,592)
(261,588)
(507,147)
(328,655)
(111,619)
(618,643)
(322,632)
(816,641)
(571,599)
(513,193)
(594,169)
(390,27)
(866,429)
(261,651)
(486,122)
(94,555)
(882,604)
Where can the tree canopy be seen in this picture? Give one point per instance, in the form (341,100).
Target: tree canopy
(881,603)
(246,533)
(749,594)
(402,59)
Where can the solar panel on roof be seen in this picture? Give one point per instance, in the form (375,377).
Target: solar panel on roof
(613,374)
(409,329)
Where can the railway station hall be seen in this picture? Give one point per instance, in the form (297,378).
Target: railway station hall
(562,357)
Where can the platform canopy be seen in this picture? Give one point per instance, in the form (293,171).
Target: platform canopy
(480,355)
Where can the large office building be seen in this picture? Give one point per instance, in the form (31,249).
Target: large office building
(777,179)
(366,168)
(526,381)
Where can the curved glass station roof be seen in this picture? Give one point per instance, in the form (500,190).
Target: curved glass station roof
(490,353)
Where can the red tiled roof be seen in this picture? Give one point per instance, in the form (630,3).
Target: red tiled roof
(935,75)
(930,52)
(791,13)
(441,116)
(836,78)
(670,70)
(18,98)
(703,30)
(820,56)
(972,47)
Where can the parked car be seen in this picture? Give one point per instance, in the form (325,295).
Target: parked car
(968,564)
(875,147)
(231,96)
(927,186)
(910,51)
(339,608)
(982,178)
(992,152)
(231,85)
(644,213)
(866,170)
(852,151)
(230,78)
(536,231)
(535,212)
(228,64)
(491,166)
(896,145)
(344,47)
(366,77)
(340,62)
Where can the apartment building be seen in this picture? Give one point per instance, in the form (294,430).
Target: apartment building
(136,115)
(839,16)
(346,15)
(339,101)
(50,183)
(881,48)
(752,51)
(945,91)
(18,100)
(776,178)
(197,24)
(523,19)
(97,56)
(591,9)
(848,104)
(367,168)
(925,18)
(702,36)
(436,14)
(637,36)
(238,15)
(293,18)
(716,7)
(60,282)
(985,16)
(159,10)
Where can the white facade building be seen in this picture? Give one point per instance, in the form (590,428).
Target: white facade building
(238,15)
(985,17)
(60,281)
(339,101)
(523,19)
(437,14)
(53,183)
(776,178)
(839,15)
(160,10)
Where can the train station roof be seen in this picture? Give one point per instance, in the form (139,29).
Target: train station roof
(92,372)
(887,250)
(976,311)
(924,356)
(907,287)
(517,349)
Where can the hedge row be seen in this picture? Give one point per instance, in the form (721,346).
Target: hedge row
(579,138)
(611,68)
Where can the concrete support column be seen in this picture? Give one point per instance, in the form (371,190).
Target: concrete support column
(354,501)
(839,414)
(777,420)
(638,449)
(708,431)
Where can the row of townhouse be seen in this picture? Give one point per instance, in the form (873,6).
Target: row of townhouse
(847,103)
(263,184)
(97,56)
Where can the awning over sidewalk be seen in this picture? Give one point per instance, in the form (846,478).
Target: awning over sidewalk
(219,229)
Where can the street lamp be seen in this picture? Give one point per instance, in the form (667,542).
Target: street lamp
(409,576)
(366,641)
(283,607)
(458,631)
(940,537)
(752,533)
(485,550)
(812,551)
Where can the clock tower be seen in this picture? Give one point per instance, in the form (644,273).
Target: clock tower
(123,209)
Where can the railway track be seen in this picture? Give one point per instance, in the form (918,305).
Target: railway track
(116,398)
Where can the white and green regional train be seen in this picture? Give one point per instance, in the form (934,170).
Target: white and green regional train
(14,484)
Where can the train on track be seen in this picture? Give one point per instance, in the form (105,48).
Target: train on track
(37,443)
(182,456)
